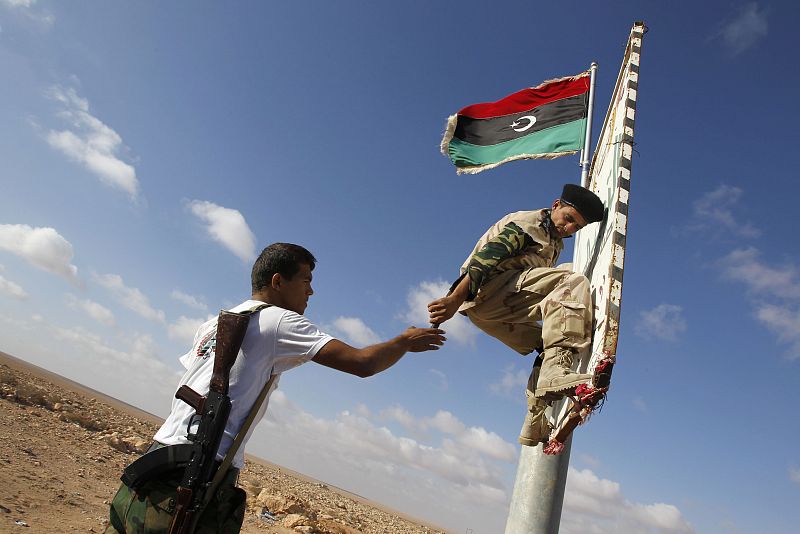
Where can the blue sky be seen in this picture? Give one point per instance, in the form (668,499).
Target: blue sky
(150,150)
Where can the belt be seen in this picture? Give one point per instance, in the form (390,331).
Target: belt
(232,475)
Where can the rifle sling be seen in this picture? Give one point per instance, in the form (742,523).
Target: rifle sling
(226,462)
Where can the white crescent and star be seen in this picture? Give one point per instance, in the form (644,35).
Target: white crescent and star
(517,125)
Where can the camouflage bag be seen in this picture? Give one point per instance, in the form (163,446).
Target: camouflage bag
(149,508)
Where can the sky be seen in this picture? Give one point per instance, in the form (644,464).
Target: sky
(149,151)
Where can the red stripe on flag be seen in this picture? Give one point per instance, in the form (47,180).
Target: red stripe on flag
(527,99)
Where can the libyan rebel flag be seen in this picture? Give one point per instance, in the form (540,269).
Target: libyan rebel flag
(547,121)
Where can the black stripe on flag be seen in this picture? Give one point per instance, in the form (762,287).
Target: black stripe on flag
(494,130)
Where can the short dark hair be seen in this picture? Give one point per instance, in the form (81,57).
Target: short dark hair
(282,258)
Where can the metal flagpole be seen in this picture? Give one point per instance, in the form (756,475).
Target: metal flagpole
(538,491)
(541,479)
(587,145)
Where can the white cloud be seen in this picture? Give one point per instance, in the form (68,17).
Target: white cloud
(189,300)
(744,265)
(363,411)
(82,355)
(745,29)
(11,289)
(459,328)
(440,476)
(355,332)
(785,323)
(664,322)
(41,247)
(717,212)
(488,443)
(364,442)
(184,328)
(774,291)
(640,404)
(512,384)
(42,17)
(141,349)
(794,474)
(91,142)
(402,416)
(445,422)
(96,311)
(590,460)
(226,226)
(19,3)
(477,439)
(130,297)
(592,504)
(441,378)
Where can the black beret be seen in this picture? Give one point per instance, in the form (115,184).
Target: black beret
(587,203)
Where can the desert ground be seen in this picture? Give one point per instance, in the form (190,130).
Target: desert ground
(63,447)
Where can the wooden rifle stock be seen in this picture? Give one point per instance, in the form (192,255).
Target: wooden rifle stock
(183,522)
(231,328)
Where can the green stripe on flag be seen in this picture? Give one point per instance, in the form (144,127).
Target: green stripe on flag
(562,138)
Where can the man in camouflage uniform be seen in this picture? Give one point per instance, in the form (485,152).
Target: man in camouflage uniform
(510,288)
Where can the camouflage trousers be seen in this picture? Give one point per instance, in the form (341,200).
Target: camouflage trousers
(149,508)
(512,304)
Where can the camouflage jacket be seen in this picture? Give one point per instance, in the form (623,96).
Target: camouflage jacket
(518,241)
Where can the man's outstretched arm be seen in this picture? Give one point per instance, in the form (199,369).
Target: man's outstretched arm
(440,310)
(379,357)
(511,241)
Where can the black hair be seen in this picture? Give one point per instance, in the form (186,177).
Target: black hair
(282,258)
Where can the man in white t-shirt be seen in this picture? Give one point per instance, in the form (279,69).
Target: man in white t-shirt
(278,338)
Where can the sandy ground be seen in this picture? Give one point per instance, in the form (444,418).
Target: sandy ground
(63,447)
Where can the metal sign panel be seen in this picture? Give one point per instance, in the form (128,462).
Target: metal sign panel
(600,248)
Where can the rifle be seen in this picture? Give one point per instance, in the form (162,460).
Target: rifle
(213,411)
(198,458)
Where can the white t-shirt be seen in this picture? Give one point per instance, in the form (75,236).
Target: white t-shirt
(276,341)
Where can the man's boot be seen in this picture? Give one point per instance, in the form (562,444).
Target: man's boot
(557,377)
(536,428)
